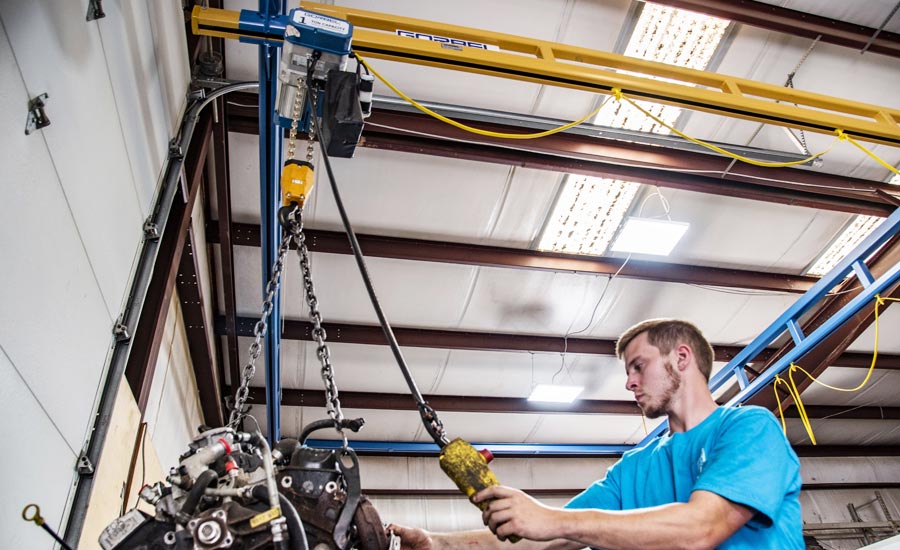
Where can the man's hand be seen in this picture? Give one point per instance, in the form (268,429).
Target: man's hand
(511,512)
(412,538)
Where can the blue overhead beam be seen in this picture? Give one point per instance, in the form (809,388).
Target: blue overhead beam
(790,319)
(498,449)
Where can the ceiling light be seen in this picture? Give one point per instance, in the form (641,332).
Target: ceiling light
(588,211)
(553,393)
(666,35)
(649,236)
(587,214)
(854,234)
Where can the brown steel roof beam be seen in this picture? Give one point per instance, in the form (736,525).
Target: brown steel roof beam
(223,234)
(334,242)
(515,405)
(197,328)
(599,156)
(731,187)
(486,341)
(451,339)
(795,23)
(148,335)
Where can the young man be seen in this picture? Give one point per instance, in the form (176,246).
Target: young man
(721,478)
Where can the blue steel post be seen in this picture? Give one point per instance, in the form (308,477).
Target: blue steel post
(269,174)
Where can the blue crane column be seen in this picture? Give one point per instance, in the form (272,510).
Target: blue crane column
(270,144)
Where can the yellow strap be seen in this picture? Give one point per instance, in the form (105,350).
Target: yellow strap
(472,129)
(875,157)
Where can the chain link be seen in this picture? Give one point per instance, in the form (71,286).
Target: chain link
(295,120)
(259,331)
(332,396)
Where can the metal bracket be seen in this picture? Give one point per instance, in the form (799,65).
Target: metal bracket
(151,230)
(120,331)
(37,118)
(175,152)
(95,10)
(84,466)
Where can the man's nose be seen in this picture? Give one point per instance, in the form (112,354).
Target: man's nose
(630,383)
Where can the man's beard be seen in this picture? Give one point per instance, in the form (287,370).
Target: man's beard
(660,406)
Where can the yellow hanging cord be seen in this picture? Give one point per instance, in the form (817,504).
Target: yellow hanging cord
(795,392)
(618,95)
(876,158)
(472,129)
(644,420)
(795,395)
(879,301)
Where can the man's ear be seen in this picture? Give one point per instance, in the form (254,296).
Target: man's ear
(683,356)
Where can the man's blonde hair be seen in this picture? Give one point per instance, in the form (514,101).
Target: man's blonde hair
(666,334)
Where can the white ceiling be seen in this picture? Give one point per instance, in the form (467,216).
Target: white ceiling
(408,195)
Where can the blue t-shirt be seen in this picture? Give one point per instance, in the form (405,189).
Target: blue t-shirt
(737,453)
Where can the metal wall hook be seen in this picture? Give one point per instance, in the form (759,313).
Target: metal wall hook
(37,118)
(95,10)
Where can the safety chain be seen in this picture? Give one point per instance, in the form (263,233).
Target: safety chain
(259,331)
(332,400)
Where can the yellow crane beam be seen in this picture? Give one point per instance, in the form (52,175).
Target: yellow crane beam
(392,37)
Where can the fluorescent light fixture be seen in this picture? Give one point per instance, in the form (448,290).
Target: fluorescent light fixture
(553,393)
(649,236)
(858,230)
(852,236)
(587,214)
(667,35)
(589,210)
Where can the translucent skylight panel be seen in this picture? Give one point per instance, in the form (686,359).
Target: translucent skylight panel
(590,210)
(855,233)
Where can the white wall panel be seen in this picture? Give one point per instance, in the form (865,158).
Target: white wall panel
(161,370)
(147,114)
(55,325)
(166,22)
(41,468)
(179,412)
(62,55)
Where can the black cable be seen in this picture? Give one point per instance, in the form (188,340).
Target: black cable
(429,417)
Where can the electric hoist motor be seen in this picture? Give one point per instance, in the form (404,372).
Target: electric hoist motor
(309,37)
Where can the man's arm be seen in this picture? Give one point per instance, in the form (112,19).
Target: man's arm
(418,539)
(703,522)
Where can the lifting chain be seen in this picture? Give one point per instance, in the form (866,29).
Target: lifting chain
(295,123)
(332,400)
(291,218)
(259,332)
